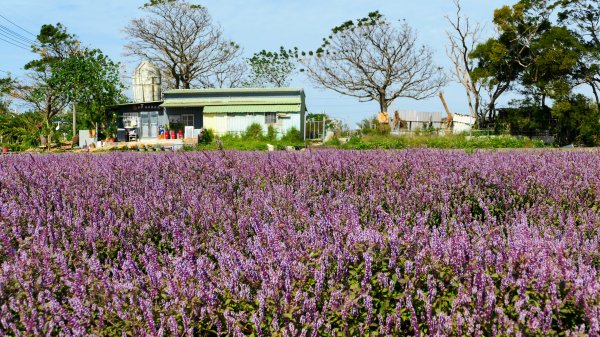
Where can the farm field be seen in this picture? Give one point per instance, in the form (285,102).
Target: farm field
(316,243)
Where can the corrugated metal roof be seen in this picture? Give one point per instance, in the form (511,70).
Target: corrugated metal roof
(419,116)
(197,102)
(134,103)
(174,103)
(252,108)
(234,90)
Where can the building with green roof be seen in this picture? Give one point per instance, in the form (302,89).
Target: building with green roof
(232,110)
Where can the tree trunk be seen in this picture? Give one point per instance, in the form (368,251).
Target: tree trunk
(543,102)
(48,110)
(176,78)
(595,91)
(74,119)
(383,104)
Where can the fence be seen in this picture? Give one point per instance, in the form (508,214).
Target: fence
(315,129)
(418,127)
(410,128)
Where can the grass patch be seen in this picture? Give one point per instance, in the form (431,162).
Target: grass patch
(376,141)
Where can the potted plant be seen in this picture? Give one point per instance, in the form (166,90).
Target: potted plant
(111,132)
(178,129)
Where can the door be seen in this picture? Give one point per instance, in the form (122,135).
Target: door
(149,124)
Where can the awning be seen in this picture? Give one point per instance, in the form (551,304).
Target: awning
(173,103)
(252,108)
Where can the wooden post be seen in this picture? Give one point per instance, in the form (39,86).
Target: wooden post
(449,123)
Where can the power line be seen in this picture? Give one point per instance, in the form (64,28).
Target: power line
(23,29)
(17,35)
(13,39)
(14,44)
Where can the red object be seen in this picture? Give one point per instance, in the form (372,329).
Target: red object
(167,135)
(179,134)
(5,149)
(172,134)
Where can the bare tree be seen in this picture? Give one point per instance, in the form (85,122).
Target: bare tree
(375,61)
(184,42)
(463,37)
(40,96)
(225,75)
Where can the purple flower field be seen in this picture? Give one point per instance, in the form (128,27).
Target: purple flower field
(325,243)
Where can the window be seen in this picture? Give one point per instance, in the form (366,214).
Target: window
(270,117)
(174,119)
(187,120)
(131,120)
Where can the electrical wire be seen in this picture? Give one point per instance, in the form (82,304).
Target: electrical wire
(13,39)
(23,29)
(16,35)
(16,39)
(14,44)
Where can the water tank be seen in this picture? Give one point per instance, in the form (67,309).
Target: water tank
(146,83)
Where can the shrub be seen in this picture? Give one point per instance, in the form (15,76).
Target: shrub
(271,133)
(206,136)
(253,131)
(372,126)
(383,129)
(292,135)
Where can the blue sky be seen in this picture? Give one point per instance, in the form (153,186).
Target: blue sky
(255,25)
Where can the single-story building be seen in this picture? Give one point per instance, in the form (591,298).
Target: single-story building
(225,111)
(139,119)
(231,111)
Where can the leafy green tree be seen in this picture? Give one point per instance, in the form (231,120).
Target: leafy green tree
(554,57)
(545,49)
(93,83)
(497,70)
(526,116)
(578,121)
(22,128)
(7,86)
(529,52)
(583,16)
(501,60)
(67,74)
(272,69)
(44,91)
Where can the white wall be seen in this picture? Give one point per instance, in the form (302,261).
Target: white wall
(216,122)
(462,123)
(237,123)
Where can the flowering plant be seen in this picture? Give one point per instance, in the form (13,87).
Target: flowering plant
(319,243)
